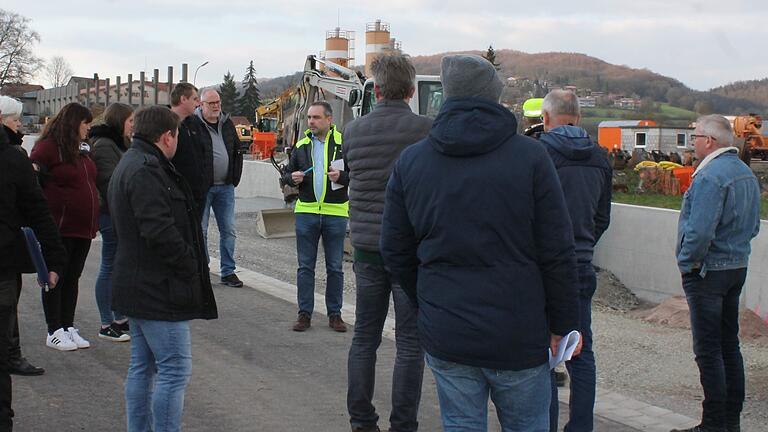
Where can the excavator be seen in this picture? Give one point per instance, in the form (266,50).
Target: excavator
(350,96)
(750,137)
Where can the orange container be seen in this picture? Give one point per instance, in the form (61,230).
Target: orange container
(684,176)
(263,144)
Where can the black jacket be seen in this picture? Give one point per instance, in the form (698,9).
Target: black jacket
(22,203)
(189,157)
(107,147)
(372,144)
(585,176)
(301,160)
(231,141)
(162,272)
(476,229)
(14,138)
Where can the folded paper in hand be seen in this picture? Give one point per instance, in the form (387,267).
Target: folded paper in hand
(338,165)
(565,349)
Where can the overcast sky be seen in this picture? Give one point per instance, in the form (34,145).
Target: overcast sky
(703,43)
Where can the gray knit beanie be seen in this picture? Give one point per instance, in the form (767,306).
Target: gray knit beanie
(467,75)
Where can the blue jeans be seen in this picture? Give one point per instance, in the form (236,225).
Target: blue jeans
(374,283)
(222,199)
(521,397)
(309,228)
(582,367)
(158,373)
(104,280)
(714,305)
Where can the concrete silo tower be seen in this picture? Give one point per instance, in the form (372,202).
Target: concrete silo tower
(377,42)
(340,47)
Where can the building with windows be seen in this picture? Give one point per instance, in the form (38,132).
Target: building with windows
(664,139)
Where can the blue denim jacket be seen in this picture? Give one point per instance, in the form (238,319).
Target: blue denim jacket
(720,215)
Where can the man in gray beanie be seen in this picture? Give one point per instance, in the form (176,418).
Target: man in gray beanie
(470,76)
(473,230)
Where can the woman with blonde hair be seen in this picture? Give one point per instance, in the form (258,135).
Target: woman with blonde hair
(109,141)
(69,184)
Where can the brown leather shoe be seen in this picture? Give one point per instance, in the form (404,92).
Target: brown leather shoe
(337,324)
(303,322)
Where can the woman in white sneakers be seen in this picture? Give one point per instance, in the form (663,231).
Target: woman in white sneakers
(68,177)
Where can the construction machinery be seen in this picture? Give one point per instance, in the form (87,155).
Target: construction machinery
(750,137)
(350,96)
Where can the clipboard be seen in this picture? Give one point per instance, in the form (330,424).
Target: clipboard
(36,254)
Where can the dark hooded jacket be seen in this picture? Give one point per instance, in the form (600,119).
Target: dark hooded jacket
(585,176)
(476,228)
(107,147)
(22,204)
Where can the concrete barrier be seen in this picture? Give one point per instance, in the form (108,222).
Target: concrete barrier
(260,179)
(639,248)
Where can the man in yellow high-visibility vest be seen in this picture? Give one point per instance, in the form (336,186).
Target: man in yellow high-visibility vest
(322,210)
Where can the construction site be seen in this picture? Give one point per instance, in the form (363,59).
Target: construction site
(640,319)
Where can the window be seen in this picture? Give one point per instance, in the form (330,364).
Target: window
(369,99)
(640,139)
(430,98)
(682,140)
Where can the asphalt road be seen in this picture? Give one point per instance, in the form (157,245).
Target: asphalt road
(250,371)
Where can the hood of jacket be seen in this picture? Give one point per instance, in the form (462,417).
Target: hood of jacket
(471,126)
(572,142)
(106,131)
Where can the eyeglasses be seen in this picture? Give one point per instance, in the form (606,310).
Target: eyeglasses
(213,102)
(694,136)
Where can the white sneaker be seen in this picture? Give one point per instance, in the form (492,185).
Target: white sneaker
(74,335)
(60,340)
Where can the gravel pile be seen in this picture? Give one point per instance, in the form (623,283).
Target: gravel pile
(612,294)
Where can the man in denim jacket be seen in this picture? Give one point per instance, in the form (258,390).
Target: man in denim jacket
(720,216)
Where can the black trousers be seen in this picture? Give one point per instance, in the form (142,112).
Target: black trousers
(14,340)
(7,302)
(59,303)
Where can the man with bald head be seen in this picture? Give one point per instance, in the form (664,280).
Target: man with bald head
(222,167)
(719,218)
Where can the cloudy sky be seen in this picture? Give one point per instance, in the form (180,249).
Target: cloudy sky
(703,43)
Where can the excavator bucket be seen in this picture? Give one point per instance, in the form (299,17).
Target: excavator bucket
(276,223)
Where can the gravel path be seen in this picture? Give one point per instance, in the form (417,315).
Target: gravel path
(644,361)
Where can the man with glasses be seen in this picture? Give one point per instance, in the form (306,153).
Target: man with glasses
(719,218)
(222,168)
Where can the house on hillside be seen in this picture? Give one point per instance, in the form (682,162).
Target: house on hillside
(627,103)
(587,102)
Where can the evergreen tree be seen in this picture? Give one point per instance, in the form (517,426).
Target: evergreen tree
(228,93)
(250,100)
(490,55)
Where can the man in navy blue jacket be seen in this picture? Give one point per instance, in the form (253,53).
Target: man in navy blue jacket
(476,228)
(585,176)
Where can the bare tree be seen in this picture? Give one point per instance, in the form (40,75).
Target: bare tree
(17,62)
(58,71)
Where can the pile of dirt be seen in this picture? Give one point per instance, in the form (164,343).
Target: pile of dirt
(611,293)
(673,312)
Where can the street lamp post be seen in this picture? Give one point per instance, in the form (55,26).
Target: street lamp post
(194,77)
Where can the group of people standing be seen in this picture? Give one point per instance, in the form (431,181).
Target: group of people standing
(483,238)
(65,191)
